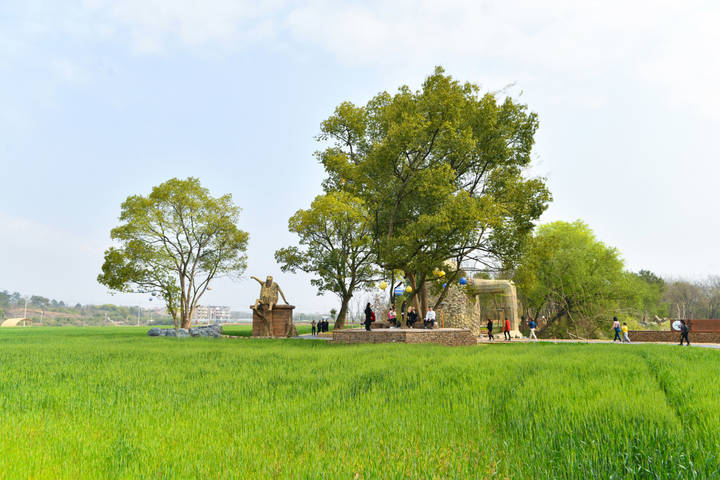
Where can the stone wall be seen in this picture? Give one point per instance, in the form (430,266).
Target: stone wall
(666,336)
(443,336)
(460,311)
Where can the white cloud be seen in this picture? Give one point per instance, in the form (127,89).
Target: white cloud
(68,70)
(157,25)
(564,44)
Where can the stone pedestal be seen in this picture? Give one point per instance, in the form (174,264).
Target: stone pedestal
(277,323)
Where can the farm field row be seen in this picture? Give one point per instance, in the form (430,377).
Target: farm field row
(114,403)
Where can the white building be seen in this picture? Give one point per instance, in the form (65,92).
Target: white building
(212,313)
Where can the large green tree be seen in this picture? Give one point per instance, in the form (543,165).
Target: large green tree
(336,246)
(569,275)
(442,171)
(174,242)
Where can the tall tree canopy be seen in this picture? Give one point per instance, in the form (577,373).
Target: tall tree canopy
(173,243)
(441,170)
(336,245)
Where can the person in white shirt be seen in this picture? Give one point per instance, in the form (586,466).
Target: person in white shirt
(430,318)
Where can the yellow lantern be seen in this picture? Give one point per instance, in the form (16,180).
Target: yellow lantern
(408,289)
(383,285)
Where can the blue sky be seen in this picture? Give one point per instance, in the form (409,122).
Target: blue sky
(103,99)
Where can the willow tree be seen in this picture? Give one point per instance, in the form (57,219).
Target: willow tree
(174,242)
(442,169)
(335,246)
(576,280)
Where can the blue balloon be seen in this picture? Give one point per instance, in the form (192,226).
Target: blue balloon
(463,281)
(444,285)
(399,291)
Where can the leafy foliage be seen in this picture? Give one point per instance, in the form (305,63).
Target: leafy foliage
(441,171)
(335,241)
(173,243)
(577,281)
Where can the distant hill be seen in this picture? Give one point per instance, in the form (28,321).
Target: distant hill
(51,312)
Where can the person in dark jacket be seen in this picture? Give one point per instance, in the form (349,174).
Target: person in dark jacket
(368,317)
(616,329)
(490,327)
(684,330)
(412,317)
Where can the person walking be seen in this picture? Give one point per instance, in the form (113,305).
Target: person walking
(490,327)
(368,316)
(626,338)
(430,318)
(532,326)
(616,329)
(314,327)
(506,330)
(684,330)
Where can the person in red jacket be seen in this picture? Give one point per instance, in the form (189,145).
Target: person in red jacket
(506,329)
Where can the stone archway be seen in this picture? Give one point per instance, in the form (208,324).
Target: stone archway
(506,288)
(459,311)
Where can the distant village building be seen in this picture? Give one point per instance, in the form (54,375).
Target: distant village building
(212,313)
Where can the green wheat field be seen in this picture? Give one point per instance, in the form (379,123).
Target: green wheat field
(114,403)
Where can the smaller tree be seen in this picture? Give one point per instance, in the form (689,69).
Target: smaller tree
(336,246)
(173,243)
(570,275)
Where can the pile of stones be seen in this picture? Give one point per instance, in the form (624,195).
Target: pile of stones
(202,331)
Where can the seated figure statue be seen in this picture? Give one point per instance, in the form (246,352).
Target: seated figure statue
(268,294)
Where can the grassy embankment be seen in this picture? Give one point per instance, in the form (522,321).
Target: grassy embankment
(114,403)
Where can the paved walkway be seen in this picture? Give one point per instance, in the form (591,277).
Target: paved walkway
(309,336)
(484,340)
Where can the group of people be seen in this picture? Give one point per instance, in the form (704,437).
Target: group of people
(617,328)
(322,326)
(620,330)
(506,330)
(411,313)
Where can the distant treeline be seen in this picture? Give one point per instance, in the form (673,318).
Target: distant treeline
(51,312)
(46,311)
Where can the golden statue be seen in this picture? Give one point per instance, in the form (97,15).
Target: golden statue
(268,294)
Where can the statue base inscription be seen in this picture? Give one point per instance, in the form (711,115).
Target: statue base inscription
(276,323)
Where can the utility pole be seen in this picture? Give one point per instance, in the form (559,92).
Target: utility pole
(25,314)
(138,321)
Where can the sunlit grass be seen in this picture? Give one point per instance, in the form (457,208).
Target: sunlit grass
(114,403)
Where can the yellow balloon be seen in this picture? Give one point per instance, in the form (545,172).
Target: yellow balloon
(442,273)
(408,289)
(383,285)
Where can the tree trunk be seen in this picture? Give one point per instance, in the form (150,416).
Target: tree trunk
(340,320)
(423,299)
(187,319)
